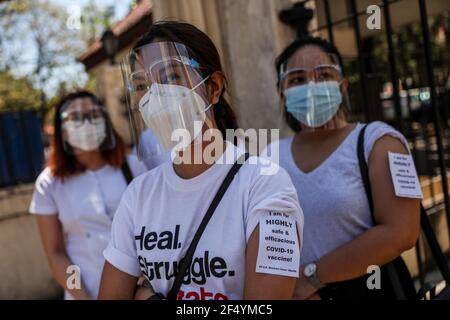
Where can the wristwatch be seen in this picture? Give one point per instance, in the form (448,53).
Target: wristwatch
(310,274)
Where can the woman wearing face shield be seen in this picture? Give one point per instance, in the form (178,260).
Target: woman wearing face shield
(344,237)
(76,196)
(176,86)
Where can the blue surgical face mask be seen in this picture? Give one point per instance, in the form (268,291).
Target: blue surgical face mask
(314,104)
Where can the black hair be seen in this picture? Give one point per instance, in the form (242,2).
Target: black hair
(82,94)
(290,50)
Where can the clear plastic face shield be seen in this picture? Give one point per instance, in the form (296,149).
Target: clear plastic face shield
(313,89)
(167,98)
(85,127)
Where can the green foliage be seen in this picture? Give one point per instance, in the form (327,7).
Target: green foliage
(38,52)
(17,94)
(95,21)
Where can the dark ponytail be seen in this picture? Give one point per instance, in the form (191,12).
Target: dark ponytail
(225,116)
(200,47)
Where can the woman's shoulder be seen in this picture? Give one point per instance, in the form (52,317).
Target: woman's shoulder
(46,179)
(377,130)
(377,126)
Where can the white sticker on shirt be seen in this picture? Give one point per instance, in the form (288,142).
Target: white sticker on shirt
(404,176)
(279,252)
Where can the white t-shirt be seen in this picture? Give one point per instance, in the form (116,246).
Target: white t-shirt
(160,213)
(85,205)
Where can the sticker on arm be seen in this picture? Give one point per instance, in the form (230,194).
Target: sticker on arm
(279,249)
(404,176)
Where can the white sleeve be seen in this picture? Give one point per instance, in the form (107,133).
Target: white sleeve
(43,202)
(273,193)
(121,251)
(377,130)
(275,208)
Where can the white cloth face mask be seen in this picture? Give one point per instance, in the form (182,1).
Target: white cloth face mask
(86,136)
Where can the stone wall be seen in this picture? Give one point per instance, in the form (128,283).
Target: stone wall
(24,270)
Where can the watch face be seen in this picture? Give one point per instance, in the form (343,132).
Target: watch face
(310,270)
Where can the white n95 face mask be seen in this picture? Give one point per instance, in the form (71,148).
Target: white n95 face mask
(86,136)
(166,108)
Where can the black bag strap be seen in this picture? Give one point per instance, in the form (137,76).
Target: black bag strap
(186,261)
(390,267)
(126,171)
(365,171)
(430,236)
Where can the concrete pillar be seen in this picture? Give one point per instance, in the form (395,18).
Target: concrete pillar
(253,37)
(109,87)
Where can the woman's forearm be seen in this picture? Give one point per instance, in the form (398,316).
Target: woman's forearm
(375,247)
(116,285)
(59,264)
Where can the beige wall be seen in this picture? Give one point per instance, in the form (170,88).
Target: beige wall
(109,86)
(24,270)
